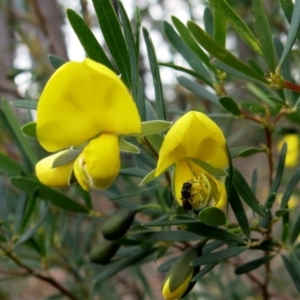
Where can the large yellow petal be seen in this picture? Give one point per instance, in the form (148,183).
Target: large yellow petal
(293,144)
(194,135)
(81,100)
(99,163)
(55,177)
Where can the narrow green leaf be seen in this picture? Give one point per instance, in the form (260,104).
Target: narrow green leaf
(10,167)
(252,265)
(192,44)
(28,234)
(218,256)
(239,212)
(14,125)
(132,51)
(155,126)
(292,33)
(114,38)
(159,97)
(166,266)
(30,208)
(291,270)
(230,105)
(296,263)
(279,213)
(237,23)
(208,21)
(28,104)
(198,90)
(246,193)
(212,216)
(263,33)
(66,157)
(56,61)
(191,58)
(201,229)
(29,129)
(230,70)
(221,53)
(148,178)
(220,27)
(180,236)
(210,169)
(203,271)
(295,231)
(138,22)
(290,187)
(141,100)
(229,178)
(285,232)
(287,7)
(250,151)
(155,141)
(123,263)
(31,185)
(125,146)
(270,200)
(87,39)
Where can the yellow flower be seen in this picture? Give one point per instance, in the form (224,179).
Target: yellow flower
(193,138)
(84,105)
(293,144)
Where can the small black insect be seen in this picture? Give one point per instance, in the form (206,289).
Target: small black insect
(186,195)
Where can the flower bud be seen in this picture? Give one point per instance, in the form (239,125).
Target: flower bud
(104,252)
(178,281)
(117,225)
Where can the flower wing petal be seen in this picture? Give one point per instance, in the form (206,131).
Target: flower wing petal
(99,163)
(55,177)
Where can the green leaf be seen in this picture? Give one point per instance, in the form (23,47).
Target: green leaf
(28,104)
(14,126)
(180,236)
(246,193)
(208,21)
(166,266)
(56,61)
(218,256)
(159,97)
(28,234)
(292,33)
(132,51)
(270,200)
(285,232)
(221,53)
(230,70)
(114,38)
(279,213)
(212,216)
(250,151)
(252,265)
(125,146)
(198,90)
(264,34)
(291,270)
(220,27)
(288,192)
(230,105)
(204,270)
(239,212)
(210,169)
(9,167)
(237,23)
(66,157)
(295,231)
(296,263)
(287,7)
(155,126)
(155,141)
(191,58)
(29,129)
(141,100)
(192,44)
(87,39)
(123,263)
(229,178)
(149,177)
(31,185)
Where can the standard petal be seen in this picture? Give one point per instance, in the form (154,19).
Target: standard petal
(81,100)
(99,163)
(55,177)
(194,135)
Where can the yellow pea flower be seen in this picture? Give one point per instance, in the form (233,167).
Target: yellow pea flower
(194,136)
(84,103)
(293,144)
